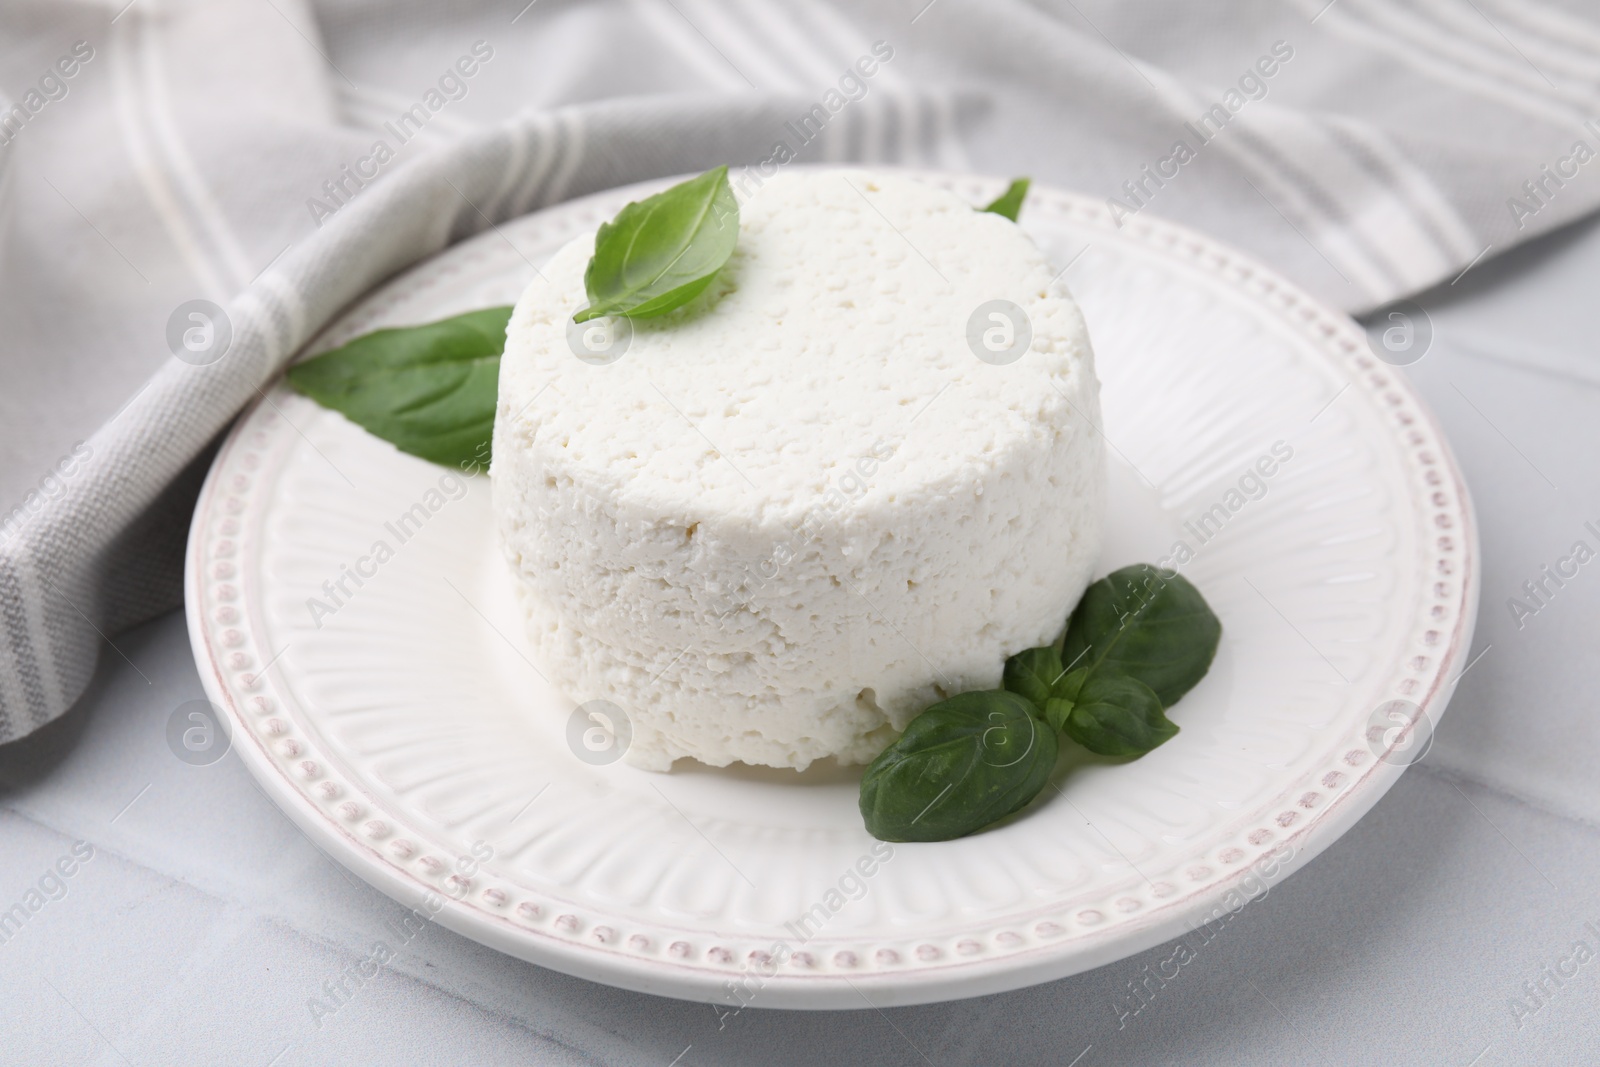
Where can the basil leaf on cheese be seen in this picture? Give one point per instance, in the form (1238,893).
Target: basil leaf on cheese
(961,765)
(428,390)
(661,252)
(1009,203)
(1142,624)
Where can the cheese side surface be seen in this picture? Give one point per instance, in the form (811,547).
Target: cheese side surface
(795,512)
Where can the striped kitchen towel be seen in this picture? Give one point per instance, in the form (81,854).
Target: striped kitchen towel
(278,160)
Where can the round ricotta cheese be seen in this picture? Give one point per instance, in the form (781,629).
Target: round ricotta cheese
(845,482)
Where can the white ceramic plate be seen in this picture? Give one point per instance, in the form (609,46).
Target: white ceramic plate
(408,735)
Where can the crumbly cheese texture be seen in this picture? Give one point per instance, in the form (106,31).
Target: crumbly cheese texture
(800,509)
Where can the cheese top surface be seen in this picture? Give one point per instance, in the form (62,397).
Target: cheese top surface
(840,322)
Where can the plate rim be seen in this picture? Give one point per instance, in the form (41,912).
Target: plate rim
(920,981)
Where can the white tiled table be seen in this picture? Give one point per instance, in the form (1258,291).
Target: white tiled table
(204,920)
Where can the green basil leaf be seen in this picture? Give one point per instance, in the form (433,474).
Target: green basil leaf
(1063,697)
(1067,685)
(428,390)
(1056,710)
(1141,624)
(1117,716)
(659,253)
(962,764)
(1031,673)
(1009,203)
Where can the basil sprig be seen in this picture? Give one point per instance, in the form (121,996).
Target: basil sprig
(1137,642)
(1009,203)
(661,252)
(428,390)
